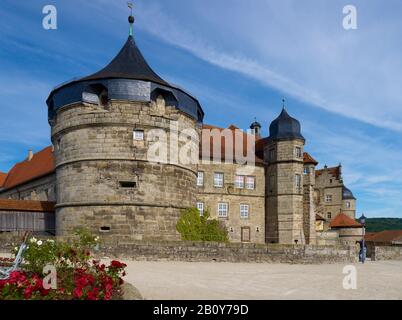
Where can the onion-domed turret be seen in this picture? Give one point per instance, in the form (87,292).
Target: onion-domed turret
(256,128)
(285,127)
(347,194)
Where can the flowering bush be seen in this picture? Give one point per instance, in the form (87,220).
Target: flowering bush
(79,277)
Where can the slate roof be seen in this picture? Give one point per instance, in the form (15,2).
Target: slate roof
(347,194)
(128,64)
(285,127)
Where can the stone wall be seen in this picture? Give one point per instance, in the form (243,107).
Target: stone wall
(106,179)
(284,204)
(207,252)
(41,189)
(210,196)
(378,253)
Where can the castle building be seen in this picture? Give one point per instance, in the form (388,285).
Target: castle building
(99,173)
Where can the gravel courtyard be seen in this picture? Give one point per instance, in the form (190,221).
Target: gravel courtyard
(184,281)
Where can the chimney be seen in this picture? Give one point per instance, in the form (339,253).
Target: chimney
(30,155)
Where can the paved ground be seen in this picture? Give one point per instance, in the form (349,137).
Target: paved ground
(182,280)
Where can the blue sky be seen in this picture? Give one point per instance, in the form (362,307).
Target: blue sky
(239,58)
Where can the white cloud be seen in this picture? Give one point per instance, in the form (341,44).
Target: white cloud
(300,50)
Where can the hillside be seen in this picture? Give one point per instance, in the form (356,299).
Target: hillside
(381,224)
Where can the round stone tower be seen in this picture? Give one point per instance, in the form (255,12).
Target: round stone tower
(116,136)
(284,190)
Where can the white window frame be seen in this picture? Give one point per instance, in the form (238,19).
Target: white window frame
(200,178)
(239,182)
(223,209)
(348,205)
(328,198)
(250,186)
(219,179)
(298,181)
(244,211)
(138,135)
(200,207)
(306,170)
(298,152)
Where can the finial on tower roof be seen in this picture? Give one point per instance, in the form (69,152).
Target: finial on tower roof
(283,103)
(131,17)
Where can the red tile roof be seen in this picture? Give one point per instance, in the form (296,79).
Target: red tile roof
(343,221)
(307,158)
(24,205)
(222,155)
(334,171)
(41,164)
(3,177)
(387,236)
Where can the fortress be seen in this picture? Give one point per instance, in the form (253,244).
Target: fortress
(99,173)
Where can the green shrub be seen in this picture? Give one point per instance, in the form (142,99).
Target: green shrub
(194,227)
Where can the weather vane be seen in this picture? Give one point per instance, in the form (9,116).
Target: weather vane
(131,18)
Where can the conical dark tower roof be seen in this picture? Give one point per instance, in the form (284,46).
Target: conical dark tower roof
(128,64)
(285,127)
(127,77)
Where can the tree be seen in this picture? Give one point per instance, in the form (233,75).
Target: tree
(194,227)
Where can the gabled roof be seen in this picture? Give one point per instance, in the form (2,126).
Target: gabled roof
(3,177)
(307,159)
(387,236)
(128,64)
(343,221)
(232,129)
(319,217)
(24,205)
(336,172)
(41,164)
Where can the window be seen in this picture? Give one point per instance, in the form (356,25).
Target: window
(245,234)
(330,180)
(306,170)
(223,209)
(239,182)
(218,180)
(272,154)
(200,207)
(298,152)
(200,179)
(298,180)
(328,198)
(329,215)
(138,135)
(250,183)
(348,204)
(244,211)
(128,184)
